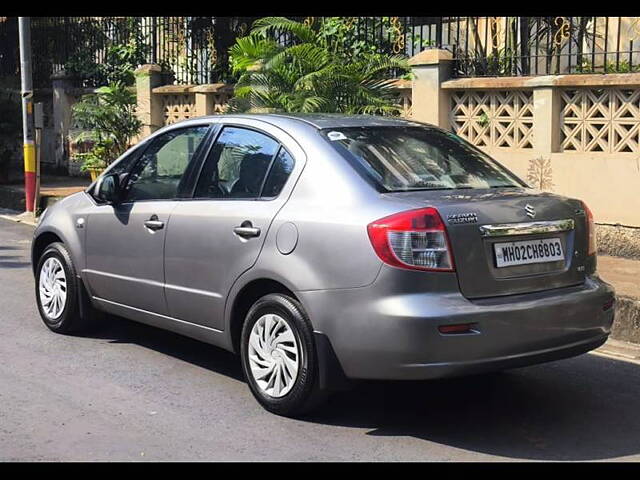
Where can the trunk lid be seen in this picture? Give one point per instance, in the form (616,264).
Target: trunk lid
(477,220)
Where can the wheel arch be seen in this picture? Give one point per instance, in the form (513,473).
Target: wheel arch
(39,245)
(245,298)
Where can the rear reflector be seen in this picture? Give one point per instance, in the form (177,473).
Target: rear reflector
(608,304)
(459,328)
(416,239)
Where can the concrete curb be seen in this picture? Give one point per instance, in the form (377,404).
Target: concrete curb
(620,350)
(26,217)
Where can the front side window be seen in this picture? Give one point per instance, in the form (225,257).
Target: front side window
(158,173)
(419,158)
(121,168)
(237,164)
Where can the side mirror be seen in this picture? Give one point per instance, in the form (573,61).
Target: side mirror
(108,188)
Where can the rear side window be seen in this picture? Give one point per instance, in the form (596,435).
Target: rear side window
(419,158)
(237,164)
(278,175)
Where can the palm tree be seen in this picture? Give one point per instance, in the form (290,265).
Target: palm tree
(316,71)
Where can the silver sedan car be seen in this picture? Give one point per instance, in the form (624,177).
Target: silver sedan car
(326,248)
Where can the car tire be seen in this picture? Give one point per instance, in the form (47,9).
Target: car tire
(56,275)
(292,330)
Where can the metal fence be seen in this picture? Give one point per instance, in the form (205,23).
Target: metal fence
(194,49)
(512,46)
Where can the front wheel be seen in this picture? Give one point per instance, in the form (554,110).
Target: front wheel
(58,291)
(279,357)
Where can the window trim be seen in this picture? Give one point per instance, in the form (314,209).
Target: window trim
(194,159)
(260,197)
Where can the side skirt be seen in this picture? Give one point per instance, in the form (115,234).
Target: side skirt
(188,329)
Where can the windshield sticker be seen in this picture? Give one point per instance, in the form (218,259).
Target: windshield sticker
(334,136)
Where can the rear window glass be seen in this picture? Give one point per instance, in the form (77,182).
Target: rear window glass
(419,158)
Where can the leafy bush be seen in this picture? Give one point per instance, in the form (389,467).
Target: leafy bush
(111,123)
(326,69)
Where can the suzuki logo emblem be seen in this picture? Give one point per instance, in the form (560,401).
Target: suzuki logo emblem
(530,211)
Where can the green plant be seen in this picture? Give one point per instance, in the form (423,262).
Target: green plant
(326,69)
(622,66)
(109,117)
(97,157)
(483,120)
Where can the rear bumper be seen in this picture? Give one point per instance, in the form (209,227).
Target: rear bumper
(389,330)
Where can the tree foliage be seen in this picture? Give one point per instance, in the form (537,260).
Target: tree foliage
(322,68)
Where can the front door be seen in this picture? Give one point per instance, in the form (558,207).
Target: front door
(125,242)
(215,237)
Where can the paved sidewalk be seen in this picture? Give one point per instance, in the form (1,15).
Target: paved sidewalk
(52,188)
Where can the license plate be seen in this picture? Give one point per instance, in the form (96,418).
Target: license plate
(528,251)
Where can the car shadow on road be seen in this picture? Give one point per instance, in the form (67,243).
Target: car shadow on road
(584,408)
(120,330)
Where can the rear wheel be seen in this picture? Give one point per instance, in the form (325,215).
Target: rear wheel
(59,292)
(278,356)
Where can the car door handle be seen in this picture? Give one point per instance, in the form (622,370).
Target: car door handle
(247,230)
(153,223)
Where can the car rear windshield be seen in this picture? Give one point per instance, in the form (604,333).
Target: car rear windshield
(418,158)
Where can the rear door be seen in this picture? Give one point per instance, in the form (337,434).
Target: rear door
(218,234)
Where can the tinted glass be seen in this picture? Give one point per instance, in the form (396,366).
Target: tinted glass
(282,167)
(158,173)
(416,158)
(237,164)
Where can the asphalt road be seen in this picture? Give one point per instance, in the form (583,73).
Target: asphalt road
(133,392)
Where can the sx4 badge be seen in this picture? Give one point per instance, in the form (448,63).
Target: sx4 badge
(470,217)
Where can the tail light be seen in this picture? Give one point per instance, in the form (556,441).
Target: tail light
(416,239)
(591,231)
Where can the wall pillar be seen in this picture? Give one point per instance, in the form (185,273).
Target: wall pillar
(546,120)
(204,102)
(149,109)
(63,100)
(430,103)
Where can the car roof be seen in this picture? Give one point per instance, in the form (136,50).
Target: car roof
(324,120)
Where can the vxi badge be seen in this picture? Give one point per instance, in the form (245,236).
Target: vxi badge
(470,217)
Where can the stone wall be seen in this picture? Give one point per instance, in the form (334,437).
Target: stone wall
(160,105)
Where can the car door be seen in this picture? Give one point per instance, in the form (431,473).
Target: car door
(215,237)
(125,242)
